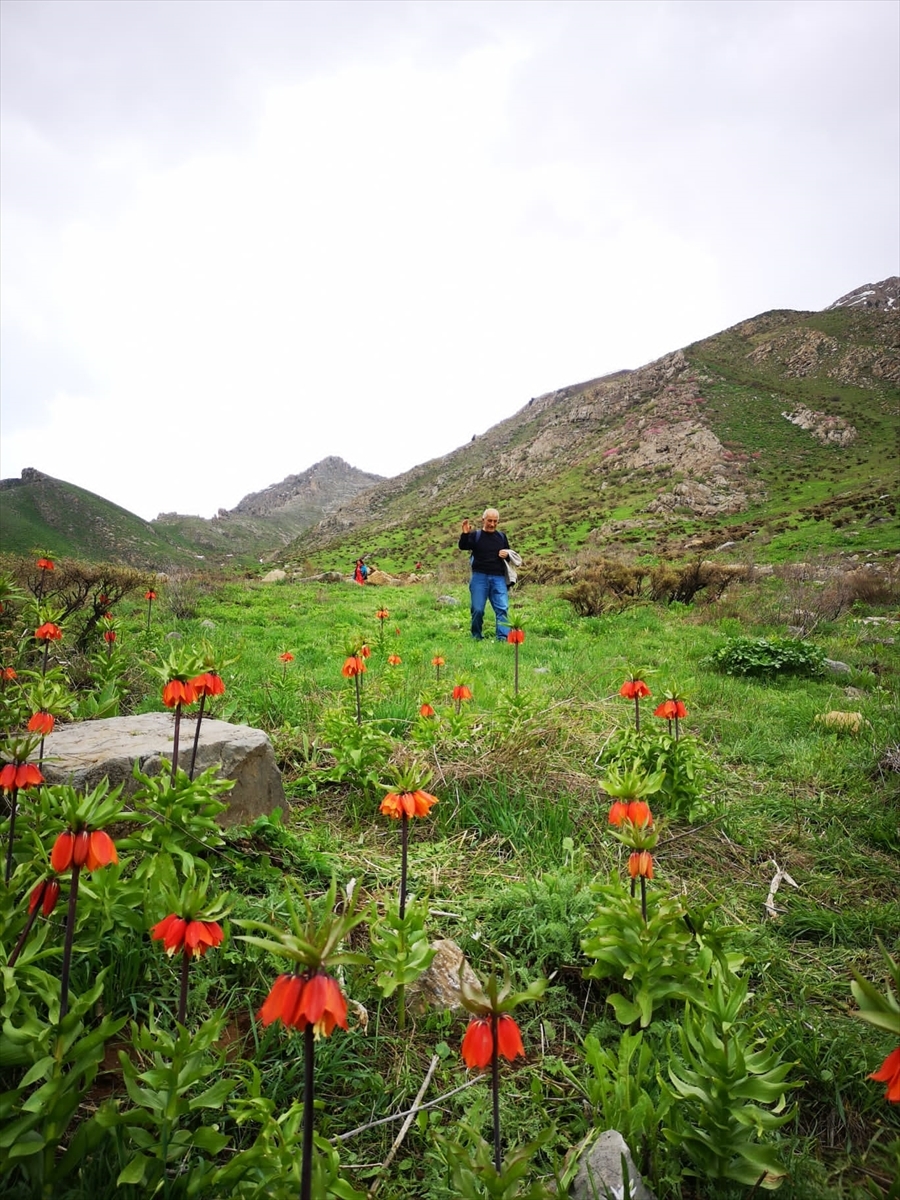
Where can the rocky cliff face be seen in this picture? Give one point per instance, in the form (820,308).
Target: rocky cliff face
(884,295)
(321,489)
(696,435)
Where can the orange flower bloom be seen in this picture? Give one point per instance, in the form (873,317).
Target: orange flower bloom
(8,673)
(382,614)
(63,851)
(641,863)
(109,636)
(46,894)
(437,661)
(48,632)
(394,660)
(889,1073)
(101,851)
(301,1000)
(151,595)
(208,684)
(92,849)
(618,812)
(364,651)
(193,937)
(478,1042)
(634,689)
(410,804)
(461,692)
(178,692)
(281,1002)
(670,709)
(46,564)
(286,657)
(42,723)
(516,636)
(20,776)
(354,665)
(426,711)
(322,1005)
(639,813)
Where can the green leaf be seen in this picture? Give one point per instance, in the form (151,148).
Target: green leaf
(135,1171)
(626,1010)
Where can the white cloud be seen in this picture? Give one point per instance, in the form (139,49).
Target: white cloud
(395,244)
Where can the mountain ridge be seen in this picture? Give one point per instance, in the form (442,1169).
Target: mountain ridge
(647,457)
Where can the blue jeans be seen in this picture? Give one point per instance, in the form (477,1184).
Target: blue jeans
(489,587)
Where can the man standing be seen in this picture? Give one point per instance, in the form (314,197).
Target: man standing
(488,548)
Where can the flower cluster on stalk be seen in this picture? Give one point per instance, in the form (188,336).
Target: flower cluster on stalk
(310,998)
(85,848)
(189,936)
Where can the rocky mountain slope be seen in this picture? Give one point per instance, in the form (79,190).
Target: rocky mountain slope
(38,512)
(265,521)
(784,410)
(782,428)
(884,295)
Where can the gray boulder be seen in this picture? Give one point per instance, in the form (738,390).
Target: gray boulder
(82,754)
(600,1174)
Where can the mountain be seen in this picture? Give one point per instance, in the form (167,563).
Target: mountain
(38,512)
(782,428)
(41,514)
(779,432)
(264,522)
(884,295)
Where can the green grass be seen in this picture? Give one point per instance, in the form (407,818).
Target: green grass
(507,860)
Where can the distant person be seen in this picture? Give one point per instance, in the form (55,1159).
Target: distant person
(488,547)
(361,571)
(418,566)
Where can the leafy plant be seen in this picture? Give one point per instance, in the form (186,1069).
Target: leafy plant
(731,1089)
(762,656)
(652,956)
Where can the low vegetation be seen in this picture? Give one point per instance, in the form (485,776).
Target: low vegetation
(681,895)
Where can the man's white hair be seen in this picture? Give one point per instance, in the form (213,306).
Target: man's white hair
(490,512)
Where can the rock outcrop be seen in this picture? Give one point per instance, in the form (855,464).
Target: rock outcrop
(82,754)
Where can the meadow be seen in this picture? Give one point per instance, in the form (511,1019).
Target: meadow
(715,1026)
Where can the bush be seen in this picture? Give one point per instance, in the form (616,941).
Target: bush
(767,656)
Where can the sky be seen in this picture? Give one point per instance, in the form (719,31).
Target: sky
(236,238)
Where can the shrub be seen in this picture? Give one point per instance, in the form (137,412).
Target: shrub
(767,656)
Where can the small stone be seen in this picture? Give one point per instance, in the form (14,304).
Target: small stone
(600,1175)
(838,668)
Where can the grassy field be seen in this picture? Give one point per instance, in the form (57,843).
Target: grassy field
(512,864)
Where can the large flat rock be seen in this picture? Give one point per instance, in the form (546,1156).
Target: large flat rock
(82,754)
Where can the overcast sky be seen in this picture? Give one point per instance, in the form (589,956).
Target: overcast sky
(239,237)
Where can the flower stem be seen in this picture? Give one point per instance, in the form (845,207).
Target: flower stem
(676,729)
(404,848)
(32,917)
(401,1007)
(308,1102)
(44,660)
(67,945)
(175,741)
(13,800)
(197,735)
(495,1091)
(182,995)
(358,705)
(644,899)
(516,688)
(637,715)
(149,609)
